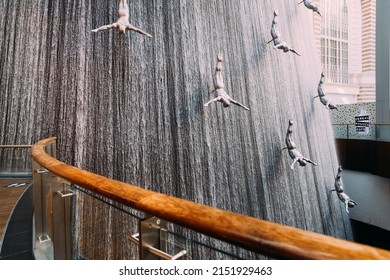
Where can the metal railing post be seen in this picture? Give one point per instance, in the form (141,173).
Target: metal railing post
(61,232)
(152,240)
(152,234)
(52,212)
(41,186)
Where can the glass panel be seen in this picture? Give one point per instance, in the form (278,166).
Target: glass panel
(376,132)
(340,131)
(383,132)
(201,247)
(15,163)
(102,227)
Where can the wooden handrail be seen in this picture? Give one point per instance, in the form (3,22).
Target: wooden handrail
(268,238)
(15,146)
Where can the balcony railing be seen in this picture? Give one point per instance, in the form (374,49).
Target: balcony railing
(150,216)
(369,131)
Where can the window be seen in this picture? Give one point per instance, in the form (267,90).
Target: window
(334,40)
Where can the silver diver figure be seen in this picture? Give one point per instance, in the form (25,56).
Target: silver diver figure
(292,149)
(219,88)
(123,22)
(311,6)
(338,184)
(324,100)
(278,42)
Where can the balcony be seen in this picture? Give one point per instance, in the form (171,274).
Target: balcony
(364,148)
(364,152)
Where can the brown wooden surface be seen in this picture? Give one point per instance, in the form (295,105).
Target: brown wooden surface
(8,199)
(261,236)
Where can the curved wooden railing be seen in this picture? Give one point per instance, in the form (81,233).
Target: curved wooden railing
(257,235)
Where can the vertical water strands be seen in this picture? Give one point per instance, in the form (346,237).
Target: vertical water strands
(131,107)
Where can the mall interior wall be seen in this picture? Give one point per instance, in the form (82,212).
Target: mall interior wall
(382,66)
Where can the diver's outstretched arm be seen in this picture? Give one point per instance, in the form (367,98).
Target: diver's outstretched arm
(278,45)
(212,100)
(291,50)
(132,28)
(310,161)
(239,104)
(105,27)
(270,41)
(346,206)
(292,165)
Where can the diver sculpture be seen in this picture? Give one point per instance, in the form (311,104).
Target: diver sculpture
(311,6)
(292,149)
(278,42)
(219,88)
(324,100)
(123,22)
(338,184)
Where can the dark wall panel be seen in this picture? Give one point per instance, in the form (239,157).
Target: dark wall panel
(365,156)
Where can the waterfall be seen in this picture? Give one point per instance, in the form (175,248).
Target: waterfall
(131,107)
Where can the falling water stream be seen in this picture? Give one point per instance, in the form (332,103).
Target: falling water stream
(131,107)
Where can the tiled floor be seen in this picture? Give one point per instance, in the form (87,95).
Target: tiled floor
(8,199)
(16,209)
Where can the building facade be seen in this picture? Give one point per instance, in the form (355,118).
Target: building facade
(367,81)
(345,36)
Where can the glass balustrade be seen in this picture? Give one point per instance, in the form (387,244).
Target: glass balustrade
(15,162)
(74,222)
(53,200)
(362,131)
(99,237)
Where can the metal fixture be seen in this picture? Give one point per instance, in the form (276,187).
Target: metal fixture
(152,240)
